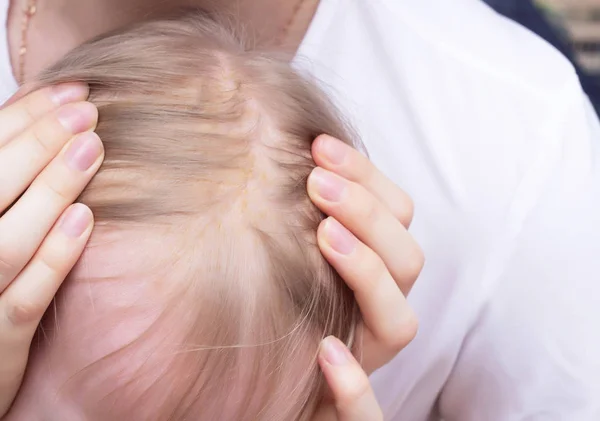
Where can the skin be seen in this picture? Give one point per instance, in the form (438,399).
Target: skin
(33,274)
(61,25)
(33,147)
(42,234)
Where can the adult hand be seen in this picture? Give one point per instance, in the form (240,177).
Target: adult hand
(48,154)
(365,239)
(351,397)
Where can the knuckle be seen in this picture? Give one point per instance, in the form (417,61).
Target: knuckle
(9,261)
(371,269)
(367,172)
(54,260)
(403,332)
(405,211)
(49,134)
(353,390)
(61,191)
(5,265)
(414,263)
(410,327)
(23,312)
(371,211)
(368,209)
(29,105)
(39,136)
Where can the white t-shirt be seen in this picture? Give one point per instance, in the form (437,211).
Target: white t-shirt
(486,127)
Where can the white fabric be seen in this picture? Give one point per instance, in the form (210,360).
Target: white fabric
(486,126)
(8,85)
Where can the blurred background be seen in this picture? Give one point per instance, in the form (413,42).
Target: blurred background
(579,20)
(572,26)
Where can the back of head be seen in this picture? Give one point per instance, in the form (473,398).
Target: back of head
(202,202)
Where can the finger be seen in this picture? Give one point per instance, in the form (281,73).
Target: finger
(23,90)
(26,224)
(358,210)
(21,112)
(352,393)
(389,320)
(338,157)
(23,158)
(25,301)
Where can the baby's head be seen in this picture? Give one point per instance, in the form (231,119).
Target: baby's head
(202,295)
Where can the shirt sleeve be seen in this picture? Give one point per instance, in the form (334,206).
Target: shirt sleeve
(533,351)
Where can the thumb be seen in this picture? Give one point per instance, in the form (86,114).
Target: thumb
(353,397)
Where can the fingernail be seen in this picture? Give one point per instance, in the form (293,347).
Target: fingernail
(84,151)
(338,237)
(76,220)
(334,352)
(69,92)
(329,186)
(333,149)
(77,117)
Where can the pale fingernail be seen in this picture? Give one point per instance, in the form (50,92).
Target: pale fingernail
(69,92)
(334,352)
(76,220)
(77,117)
(330,187)
(84,151)
(334,150)
(339,238)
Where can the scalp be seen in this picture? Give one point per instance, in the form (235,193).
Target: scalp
(207,148)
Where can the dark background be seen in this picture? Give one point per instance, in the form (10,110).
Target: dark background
(572,26)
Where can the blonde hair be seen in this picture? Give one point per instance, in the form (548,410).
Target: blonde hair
(208,144)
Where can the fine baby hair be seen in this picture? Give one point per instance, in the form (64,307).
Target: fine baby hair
(202,295)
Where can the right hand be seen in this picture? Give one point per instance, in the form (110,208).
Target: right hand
(366,239)
(48,154)
(351,396)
